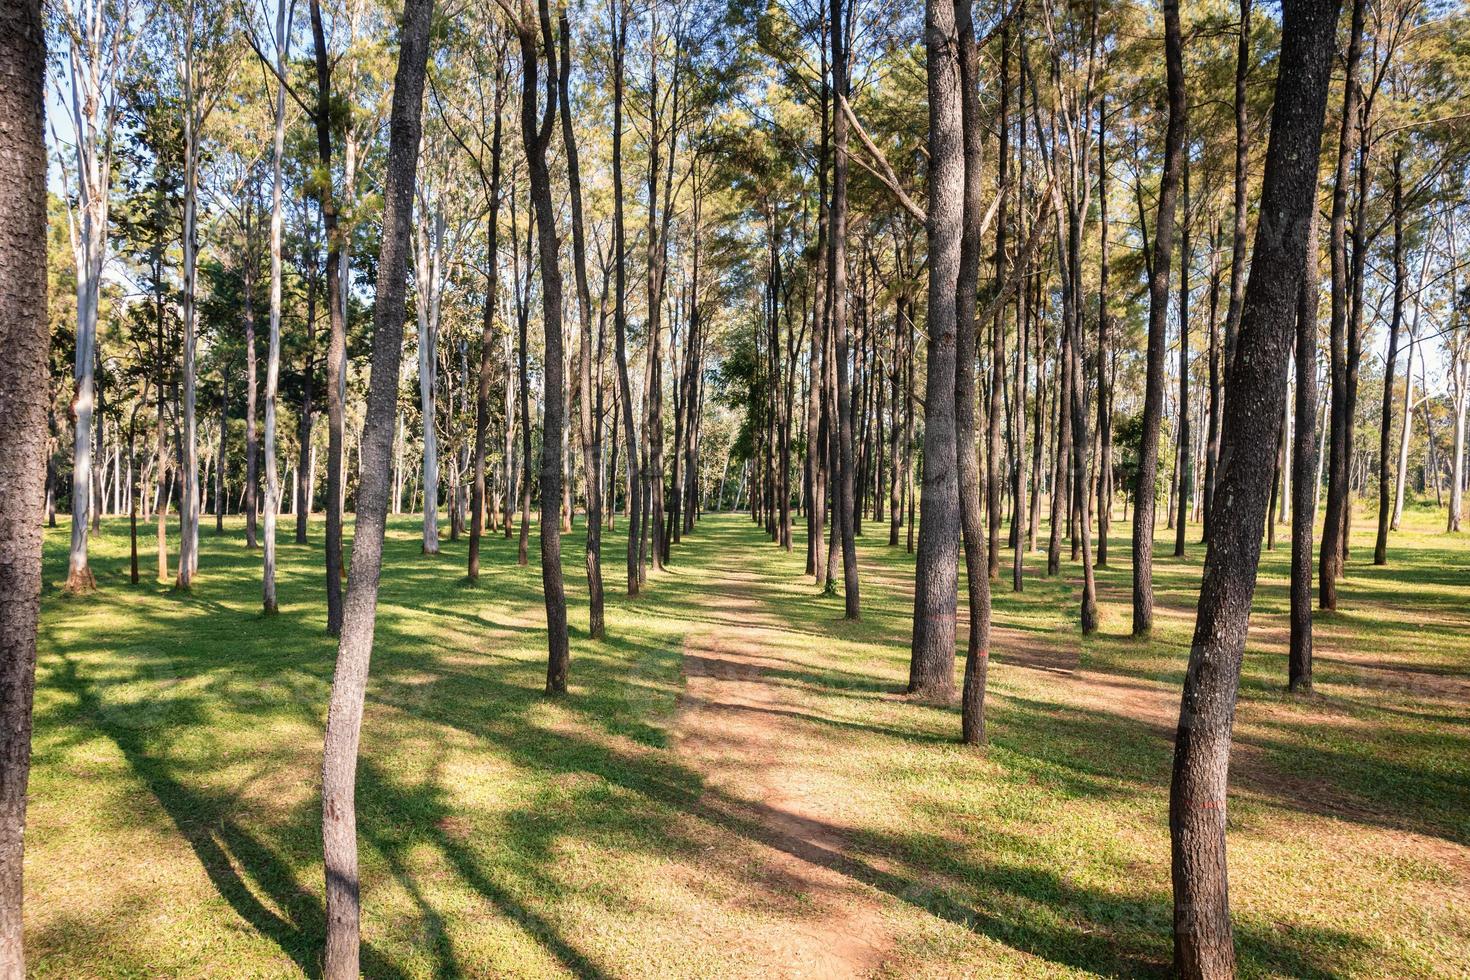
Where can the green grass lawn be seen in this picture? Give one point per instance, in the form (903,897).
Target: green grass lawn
(174,821)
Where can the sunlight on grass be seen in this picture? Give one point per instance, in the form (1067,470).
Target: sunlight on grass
(175,814)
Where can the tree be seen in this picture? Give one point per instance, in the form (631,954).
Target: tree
(537,137)
(273,355)
(1144,496)
(354,651)
(24,401)
(1255,399)
(931,661)
(99,39)
(591,432)
(337,318)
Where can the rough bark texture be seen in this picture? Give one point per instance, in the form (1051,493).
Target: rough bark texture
(487,336)
(536,136)
(1395,322)
(591,434)
(1331,556)
(24,394)
(273,350)
(634,504)
(973,531)
(1158,312)
(1304,473)
(846,477)
(337,337)
(1203,943)
(931,663)
(349,682)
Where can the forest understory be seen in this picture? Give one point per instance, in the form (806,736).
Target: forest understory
(736,784)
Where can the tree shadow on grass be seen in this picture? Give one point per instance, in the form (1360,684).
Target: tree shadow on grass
(207,824)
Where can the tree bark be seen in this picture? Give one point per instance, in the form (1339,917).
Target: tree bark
(273,354)
(591,433)
(977,568)
(837,275)
(24,396)
(337,320)
(931,664)
(1304,471)
(1203,942)
(1330,562)
(536,137)
(349,681)
(1158,289)
(1395,322)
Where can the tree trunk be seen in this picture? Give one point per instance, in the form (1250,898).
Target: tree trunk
(536,137)
(24,399)
(1385,430)
(487,331)
(349,682)
(591,434)
(1255,399)
(841,329)
(1304,471)
(1158,289)
(977,568)
(931,664)
(1331,554)
(337,319)
(1186,464)
(273,355)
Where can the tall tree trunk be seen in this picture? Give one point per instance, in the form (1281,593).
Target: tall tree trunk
(967,330)
(536,136)
(842,330)
(591,433)
(931,664)
(1304,468)
(1330,564)
(487,329)
(349,681)
(1203,942)
(634,502)
(337,320)
(1104,320)
(1385,430)
(1158,290)
(24,395)
(1186,464)
(273,355)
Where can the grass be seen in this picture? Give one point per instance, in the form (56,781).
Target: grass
(174,814)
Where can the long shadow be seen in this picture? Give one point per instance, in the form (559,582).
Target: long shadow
(219,842)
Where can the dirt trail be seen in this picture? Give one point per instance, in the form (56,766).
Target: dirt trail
(735,726)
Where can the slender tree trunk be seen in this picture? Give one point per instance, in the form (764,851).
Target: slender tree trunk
(1186,465)
(536,136)
(1330,565)
(349,682)
(977,568)
(487,331)
(837,275)
(1255,400)
(1385,430)
(1305,474)
(273,355)
(337,320)
(1158,288)
(634,502)
(591,434)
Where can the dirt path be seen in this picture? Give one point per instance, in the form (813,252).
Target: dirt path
(734,725)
